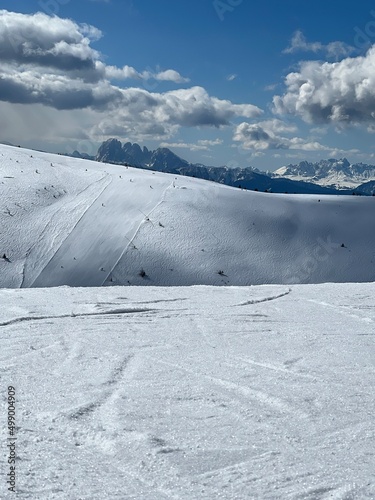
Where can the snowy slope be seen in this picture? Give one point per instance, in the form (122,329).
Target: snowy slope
(66,221)
(191,393)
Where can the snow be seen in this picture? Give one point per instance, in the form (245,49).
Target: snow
(67,221)
(339,174)
(197,392)
(176,389)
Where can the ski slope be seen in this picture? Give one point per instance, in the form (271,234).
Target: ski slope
(154,393)
(66,221)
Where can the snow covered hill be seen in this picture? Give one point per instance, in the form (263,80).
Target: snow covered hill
(66,221)
(340,174)
(191,393)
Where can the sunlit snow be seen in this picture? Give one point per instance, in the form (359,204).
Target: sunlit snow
(184,392)
(193,392)
(74,222)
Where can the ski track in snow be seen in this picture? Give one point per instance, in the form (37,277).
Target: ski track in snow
(112,382)
(265,299)
(148,393)
(262,397)
(134,234)
(346,311)
(134,396)
(54,234)
(97,251)
(116,312)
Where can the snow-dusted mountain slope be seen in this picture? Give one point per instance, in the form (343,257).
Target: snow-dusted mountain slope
(191,393)
(335,173)
(67,221)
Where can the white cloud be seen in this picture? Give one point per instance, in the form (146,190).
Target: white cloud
(48,43)
(145,115)
(128,72)
(49,47)
(271,87)
(215,142)
(270,135)
(339,93)
(232,77)
(170,75)
(201,145)
(48,60)
(333,49)
(184,145)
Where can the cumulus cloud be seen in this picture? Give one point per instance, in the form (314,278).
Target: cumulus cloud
(339,93)
(334,50)
(270,134)
(145,114)
(48,42)
(202,145)
(50,61)
(63,46)
(57,91)
(128,72)
(208,143)
(184,145)
(170,75)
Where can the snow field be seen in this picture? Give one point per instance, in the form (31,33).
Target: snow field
(74,222)
(192,392)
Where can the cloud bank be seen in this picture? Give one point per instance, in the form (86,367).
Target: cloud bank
(50,61)
(271,135)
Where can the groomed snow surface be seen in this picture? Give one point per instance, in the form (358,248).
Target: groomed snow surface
(74,222)
(188,392)
(262,392)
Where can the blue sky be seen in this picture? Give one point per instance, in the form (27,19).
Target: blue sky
(218,81)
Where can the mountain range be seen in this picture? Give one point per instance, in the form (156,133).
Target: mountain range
(164,160)
(340,174)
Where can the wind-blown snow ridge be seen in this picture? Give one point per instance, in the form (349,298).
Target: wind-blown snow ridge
(74,222)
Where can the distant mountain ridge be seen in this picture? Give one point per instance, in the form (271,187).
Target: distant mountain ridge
(164,160)
(334,173)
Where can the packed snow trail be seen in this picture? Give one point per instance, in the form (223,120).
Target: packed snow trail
(99,238)
(148,393)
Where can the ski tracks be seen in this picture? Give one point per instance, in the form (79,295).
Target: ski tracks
(96,426)
(275,403)
(344,310)
(54,235)
(93,248)
(131,239)
(265,299)
(74,315)
(110,388)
